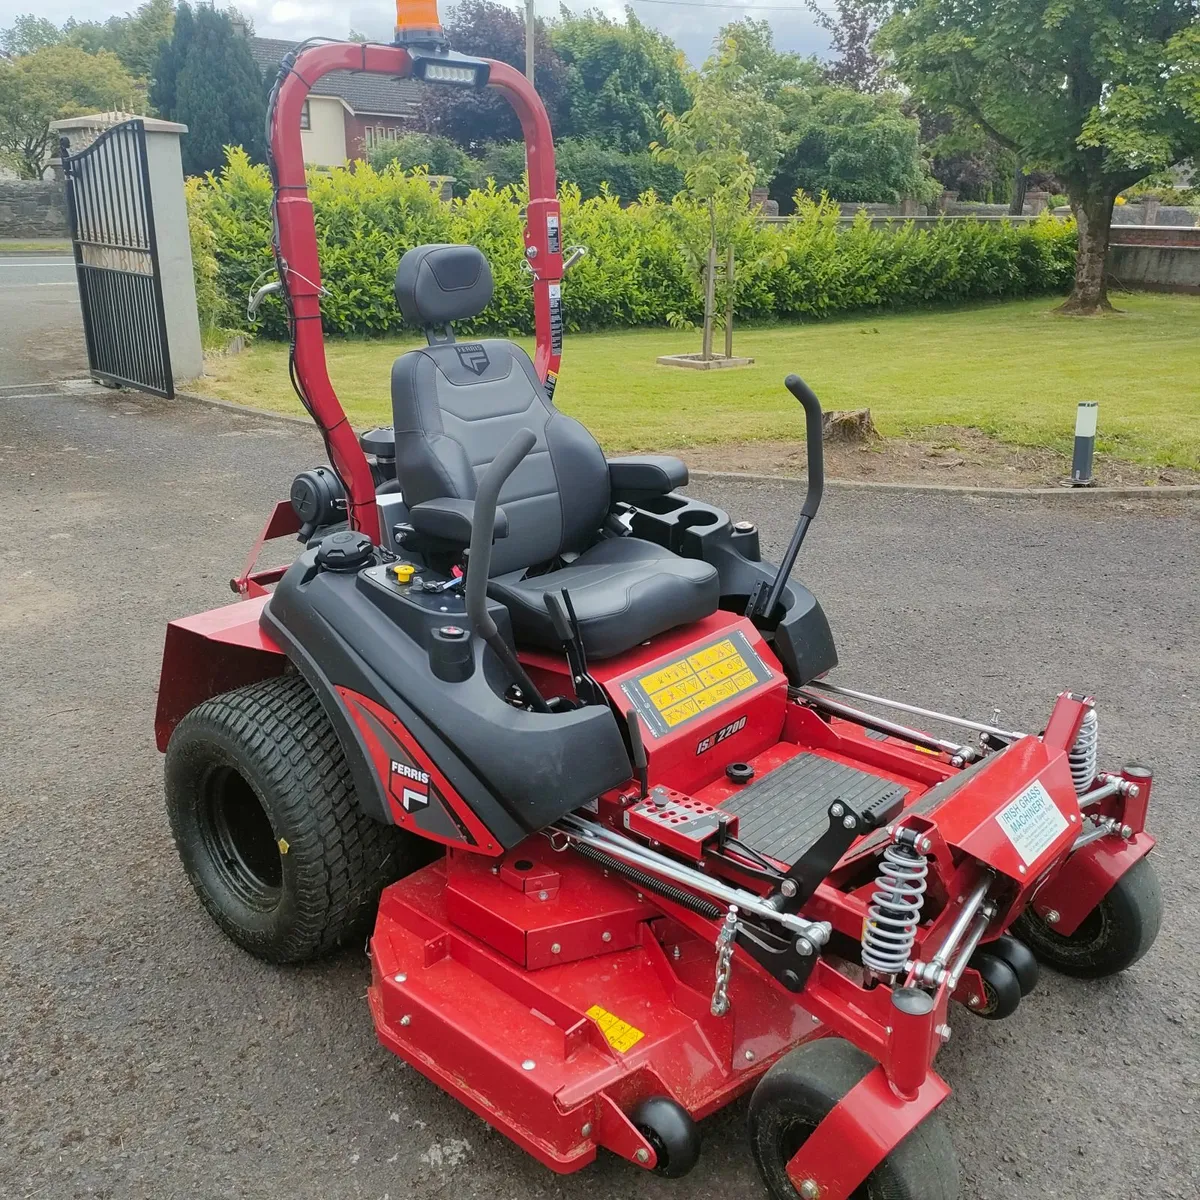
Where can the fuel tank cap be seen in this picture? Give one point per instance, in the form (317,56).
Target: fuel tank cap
(346,550)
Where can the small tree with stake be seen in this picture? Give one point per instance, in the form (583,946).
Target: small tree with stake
(1100,92)
(712,145)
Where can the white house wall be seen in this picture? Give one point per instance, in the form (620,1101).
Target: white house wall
(325,140)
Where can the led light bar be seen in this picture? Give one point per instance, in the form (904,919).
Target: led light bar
(454,69)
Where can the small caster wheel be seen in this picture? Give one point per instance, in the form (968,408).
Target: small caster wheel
(1001,987)
(1113,936)
(800,1091)
(669,1128)
(1019,957)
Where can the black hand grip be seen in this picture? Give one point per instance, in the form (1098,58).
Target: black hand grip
(814,435)
(483,523)
(764,606)
(558,616)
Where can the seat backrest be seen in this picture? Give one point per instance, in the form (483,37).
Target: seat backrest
(455,406)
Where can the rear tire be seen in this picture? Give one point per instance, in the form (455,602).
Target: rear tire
(1113,936)
(800,1091)
(264,815)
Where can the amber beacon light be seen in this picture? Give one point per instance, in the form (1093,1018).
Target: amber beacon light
(418,21)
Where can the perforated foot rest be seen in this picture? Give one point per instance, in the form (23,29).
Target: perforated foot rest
(783,813)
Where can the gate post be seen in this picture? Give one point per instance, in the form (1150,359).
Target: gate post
(169,234)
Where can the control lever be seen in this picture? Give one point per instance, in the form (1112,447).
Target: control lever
(764,600)
(566,626)
(641,764)
(479,561)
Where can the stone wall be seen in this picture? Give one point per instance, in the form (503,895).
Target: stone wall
(32,209)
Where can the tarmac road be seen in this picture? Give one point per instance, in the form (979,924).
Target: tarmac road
(142,1055)
(41,333)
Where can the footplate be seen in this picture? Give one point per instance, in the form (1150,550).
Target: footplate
(785,813)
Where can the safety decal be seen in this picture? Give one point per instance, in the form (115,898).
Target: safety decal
(1032,822)
(556,319)
(621,1036)
(551,384)
(680,691)
(729,730)
(410,785)
(553,233)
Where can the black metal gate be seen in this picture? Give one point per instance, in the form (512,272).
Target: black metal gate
(116,260)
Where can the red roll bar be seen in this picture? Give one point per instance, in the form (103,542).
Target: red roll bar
(297,242)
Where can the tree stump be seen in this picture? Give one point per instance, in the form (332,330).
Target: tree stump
(853,428)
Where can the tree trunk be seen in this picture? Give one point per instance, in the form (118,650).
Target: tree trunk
(710,304)
(1093,215)
(1020,184)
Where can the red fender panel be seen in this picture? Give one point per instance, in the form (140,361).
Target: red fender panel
(211,653)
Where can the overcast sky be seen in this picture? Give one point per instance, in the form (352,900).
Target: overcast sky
(691,23)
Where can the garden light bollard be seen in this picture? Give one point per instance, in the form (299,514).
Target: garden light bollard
(1085,443)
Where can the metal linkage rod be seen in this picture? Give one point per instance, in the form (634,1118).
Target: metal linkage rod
(931,714)
(963,754)
(590,834)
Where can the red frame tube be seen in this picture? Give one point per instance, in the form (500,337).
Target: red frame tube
(297,239)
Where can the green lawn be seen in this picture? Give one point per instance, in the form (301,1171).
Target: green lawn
(1013,370)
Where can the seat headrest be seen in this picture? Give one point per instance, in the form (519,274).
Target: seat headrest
(438,284)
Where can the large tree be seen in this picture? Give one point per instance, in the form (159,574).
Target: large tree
(856,146)
(206,79)
(55,81)
(1093,90)
(620,77)
(492,30)
(134,38)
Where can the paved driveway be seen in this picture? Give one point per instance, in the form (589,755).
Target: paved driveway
(142,1055)
(41,333)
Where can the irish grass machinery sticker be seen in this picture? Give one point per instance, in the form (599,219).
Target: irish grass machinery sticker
(1032,822)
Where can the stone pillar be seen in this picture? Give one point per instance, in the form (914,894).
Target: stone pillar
(1150,207)
(169,207)
(1035,201)
(946,199)
(909,207)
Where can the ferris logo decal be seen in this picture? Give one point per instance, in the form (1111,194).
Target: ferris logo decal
(728,731)
(414,788)
(474,357)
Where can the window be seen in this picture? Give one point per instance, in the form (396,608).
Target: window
(305,117)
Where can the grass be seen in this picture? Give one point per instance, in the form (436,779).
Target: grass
(1015,371)
(46,246)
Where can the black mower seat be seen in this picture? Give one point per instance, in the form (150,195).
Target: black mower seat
(624,590)
(456,405)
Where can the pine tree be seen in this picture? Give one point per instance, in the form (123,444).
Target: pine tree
(207,80)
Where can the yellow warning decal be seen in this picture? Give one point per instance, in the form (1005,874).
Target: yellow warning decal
(621,1036)
(683,690)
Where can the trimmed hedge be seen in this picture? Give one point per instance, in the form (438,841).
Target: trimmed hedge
(635,273)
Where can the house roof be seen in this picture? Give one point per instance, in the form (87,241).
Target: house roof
(378,95)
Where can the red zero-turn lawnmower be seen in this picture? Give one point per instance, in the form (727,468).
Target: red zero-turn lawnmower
(673,865)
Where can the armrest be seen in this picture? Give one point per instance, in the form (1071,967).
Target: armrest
(449,519)
(640,476)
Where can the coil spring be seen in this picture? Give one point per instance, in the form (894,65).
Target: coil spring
(1084,756)
(895,910)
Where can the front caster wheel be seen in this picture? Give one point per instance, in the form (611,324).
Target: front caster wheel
(1113,936)
(669,1128)
(1019,957)
(1001,987)
(800,1091)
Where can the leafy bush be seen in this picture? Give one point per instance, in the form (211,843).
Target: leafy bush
(438,155)
(636,272)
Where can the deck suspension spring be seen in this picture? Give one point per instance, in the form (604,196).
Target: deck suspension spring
(894,913)
(1084,756)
